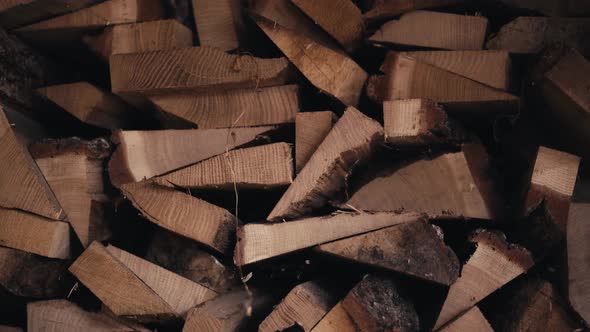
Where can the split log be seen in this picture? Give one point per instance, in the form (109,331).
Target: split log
(493,264)
(435,30)
(145,154)
(74,170)
(332,72)
(16,13)
(257,242)
(183,214)
(578,256)
(90,104)
(310,130)
(386,9)
(233,108)
(65,316)
(453,185)
(139,38)
(472,320)
(374,304)
(414,248)
(219,23)
(341,19)
(261,167)
(23,185)
(349,143)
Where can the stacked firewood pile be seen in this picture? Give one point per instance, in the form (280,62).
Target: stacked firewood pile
(315,165)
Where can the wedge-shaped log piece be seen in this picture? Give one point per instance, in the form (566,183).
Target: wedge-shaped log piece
(435,30)
(16,13)
(472,320)
(310,130)
(304,306)
(349,143)
(385,9)
(145,154)
(341,19)
(257,242)
(414,248)
(219,23)
(194,69)
(578,256)
(90,104)
(130,286)
(374,304)
(453,185)
(140,37)
(260,167)
(493,264)
(406,78)
(332,72)
(418,122)
(23,185)
(183,214)
(488,67)
(233,108)
(65,316)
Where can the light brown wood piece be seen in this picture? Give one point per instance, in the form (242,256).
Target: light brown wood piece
(472,320)
(453,185)
(310,130)
(145,154)
(552,8)
(219,23)
(233,108)
(90,104)
(140,37)
(261,167)
(257,242)
(350,142)
(414,248)
(488,67)
(65,316)
(23,185)
(341,19)
(435,30)
(16,13)
(332,72)
(183,214)
(578,256)
(493,264)
(384,9)
(194,69)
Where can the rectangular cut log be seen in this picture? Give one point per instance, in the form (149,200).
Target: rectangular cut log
(310,130)
(349,143)
(472,320)
(578,258)
(233,108)
(219,23)
(257,242)
(434,30)
(385,9)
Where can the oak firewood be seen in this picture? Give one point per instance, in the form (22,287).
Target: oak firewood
(350,142)
(219,23)
(183,214)
(332,72)
(435,30)
(310,130)
(578,256)
(233,108)
(257,242)
(472,320)
(424,256)
(552,8)
(16,13)
(140,37)
(385,9)
(145,154)
(260,167)
(493,264)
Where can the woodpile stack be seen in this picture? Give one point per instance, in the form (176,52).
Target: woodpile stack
(300,165)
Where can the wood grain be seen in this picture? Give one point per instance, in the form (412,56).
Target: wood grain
(578,256)
(310,130)
(219,23)
(386,9)
(472,320)
(16,13)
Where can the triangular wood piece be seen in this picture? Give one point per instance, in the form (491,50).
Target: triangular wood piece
(349,143)
(260,167)
(425,256)
(23,185)
(472,320)
(310,130)
(453,185)
(140,37)
(332,72)
(65,316)
(385,9)
(90,104)
(257,242)
(488,67)
(406,78)
(183,214)
(434,30)
(233,108)
(16,13)
(219,23)
(493,264)
(578,256)
(145,154)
